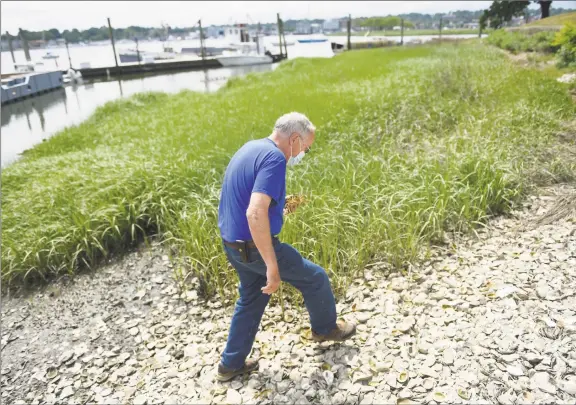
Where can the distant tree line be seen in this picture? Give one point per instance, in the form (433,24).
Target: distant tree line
(385,23)
(100,34)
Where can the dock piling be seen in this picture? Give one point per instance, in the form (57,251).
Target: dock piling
(112,39)
(9,37)
(68,51)
(440,29)
(202,52)
(137,50)
(349,29)
(258,40)
(25,45)
(402,31)
(284,38)
(279,33)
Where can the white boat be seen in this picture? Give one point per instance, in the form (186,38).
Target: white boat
(288,43)
(244,55)
(72,76)
(246,52)
(244,60)
(131,56)
(50,55)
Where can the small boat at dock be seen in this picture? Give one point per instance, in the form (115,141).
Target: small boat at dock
(208,51)
(288,43)
(132,56)
(50,55)
(245,51)
(244,60)
(244,55)
(312,40)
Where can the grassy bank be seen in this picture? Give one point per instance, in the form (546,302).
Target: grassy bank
(561,43)
(409,33)
(411,142)
(554,21)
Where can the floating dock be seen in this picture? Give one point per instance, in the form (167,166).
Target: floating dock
(18,86)
(21,86)
(157,66)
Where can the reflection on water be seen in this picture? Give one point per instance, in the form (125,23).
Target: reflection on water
(30,121)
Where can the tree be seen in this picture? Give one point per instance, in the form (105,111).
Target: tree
(503,11)
(545,8)
(381,23)
(72,36)
(390,22)
(54,33)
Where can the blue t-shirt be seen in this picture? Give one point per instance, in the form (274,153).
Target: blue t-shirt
(258,166)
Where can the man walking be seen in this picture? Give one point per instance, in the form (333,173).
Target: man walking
(250,219)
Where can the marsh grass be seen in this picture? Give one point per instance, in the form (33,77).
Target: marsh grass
(411,143)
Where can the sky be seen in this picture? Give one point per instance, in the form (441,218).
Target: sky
(43,15)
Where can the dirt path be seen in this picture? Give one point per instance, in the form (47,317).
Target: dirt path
(491,320)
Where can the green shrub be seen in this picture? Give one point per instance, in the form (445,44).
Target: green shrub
(565,39)
(519,41)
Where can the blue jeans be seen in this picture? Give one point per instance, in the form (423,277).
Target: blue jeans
(309,278)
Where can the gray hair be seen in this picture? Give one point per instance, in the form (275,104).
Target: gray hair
(294,122)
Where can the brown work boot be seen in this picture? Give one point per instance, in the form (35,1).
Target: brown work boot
(340,333)
(226,374)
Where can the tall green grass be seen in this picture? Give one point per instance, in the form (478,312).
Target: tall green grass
(411,142)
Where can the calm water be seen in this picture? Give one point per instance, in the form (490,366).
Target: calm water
(29,122)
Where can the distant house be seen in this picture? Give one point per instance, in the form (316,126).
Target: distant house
(331,25)
(315,28)
(471,25)
(449,20)
(303,27)
(16,44)
(37,43)
(396,28)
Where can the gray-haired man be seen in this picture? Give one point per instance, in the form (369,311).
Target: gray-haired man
(250,218)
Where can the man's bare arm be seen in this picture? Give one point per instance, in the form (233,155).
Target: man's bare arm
(259,225)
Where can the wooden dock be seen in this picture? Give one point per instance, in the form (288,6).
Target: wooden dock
(158,67)
(18,86)
(164,66)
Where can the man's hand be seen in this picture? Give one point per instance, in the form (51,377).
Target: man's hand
(273,280)
(292,202)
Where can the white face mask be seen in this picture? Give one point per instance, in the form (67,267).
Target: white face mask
(294,160)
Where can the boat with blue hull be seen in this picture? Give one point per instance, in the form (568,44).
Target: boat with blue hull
(311,41)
